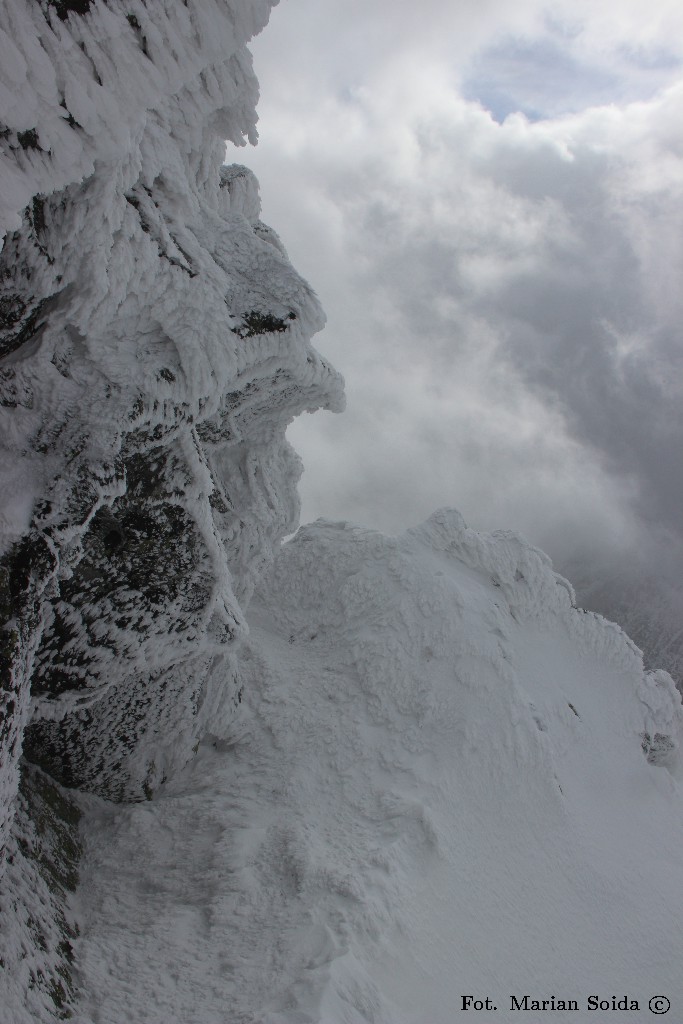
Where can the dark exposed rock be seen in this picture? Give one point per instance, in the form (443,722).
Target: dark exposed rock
(66,7)
(28,139)
(255,322)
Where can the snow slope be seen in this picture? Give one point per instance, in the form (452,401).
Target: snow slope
(443,780)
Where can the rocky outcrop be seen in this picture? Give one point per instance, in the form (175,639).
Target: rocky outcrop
(154,345)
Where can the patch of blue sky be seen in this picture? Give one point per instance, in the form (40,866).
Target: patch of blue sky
(537,78)
(542,77)
(347,93)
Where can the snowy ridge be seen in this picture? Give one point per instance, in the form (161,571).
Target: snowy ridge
(436,785)
(647,604)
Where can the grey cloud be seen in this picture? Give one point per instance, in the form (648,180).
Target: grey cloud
(504,301)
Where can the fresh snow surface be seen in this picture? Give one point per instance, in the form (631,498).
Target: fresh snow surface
(437,786)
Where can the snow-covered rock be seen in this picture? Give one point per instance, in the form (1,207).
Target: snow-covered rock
(154,345)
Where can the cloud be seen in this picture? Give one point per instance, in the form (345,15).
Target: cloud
(503,294)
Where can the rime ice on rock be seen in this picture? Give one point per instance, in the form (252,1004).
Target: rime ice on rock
(154,345)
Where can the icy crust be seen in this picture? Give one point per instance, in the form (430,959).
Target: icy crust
(154,345)
(437,784)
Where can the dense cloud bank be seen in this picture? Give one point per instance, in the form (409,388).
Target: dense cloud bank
(499,271)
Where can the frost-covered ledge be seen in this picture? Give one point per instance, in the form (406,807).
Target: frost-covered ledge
(154,345)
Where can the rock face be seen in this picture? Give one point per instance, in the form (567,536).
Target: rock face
(154,345)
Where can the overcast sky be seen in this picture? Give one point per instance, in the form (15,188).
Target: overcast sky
(487,198)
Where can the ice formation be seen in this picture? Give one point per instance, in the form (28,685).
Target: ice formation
(345,799)
(154,345)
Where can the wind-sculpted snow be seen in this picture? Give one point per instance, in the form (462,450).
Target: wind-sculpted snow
(439,783)
(81,81)
(154,345)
